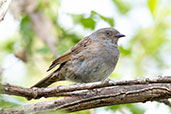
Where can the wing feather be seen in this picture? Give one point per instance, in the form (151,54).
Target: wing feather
(75,50)
(60,60)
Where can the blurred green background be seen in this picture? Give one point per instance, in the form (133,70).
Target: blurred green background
(35,32)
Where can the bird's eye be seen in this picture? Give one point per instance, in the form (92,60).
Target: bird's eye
(108,33)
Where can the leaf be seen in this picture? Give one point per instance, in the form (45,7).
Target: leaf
(109,20)
(124,51)
(152,6)
(27,33)
(6,104)
(8,45)
(85,22)
(135,109)
(122,6)
(88,23)
(77,18)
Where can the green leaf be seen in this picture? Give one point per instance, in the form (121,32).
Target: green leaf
(6,104)
(152,6)
(135,109)
(27,33)
(88,23)
(109,20)
(122,6)
(8,45)
(124,51)
(77,18)
(85,22)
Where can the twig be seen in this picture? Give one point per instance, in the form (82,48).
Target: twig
(4,8)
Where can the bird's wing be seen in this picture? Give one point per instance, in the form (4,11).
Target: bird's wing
(75,50)
(81,45)
(63,58)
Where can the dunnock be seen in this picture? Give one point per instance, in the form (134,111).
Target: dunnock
(92,59)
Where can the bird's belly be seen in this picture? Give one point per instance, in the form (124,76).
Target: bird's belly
(93,69)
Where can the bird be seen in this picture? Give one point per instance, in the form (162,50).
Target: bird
(92,59)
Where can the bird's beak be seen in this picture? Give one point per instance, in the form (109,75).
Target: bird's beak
(119,35)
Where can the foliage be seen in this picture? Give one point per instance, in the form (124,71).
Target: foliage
(123,7)
(146,50)
(90,22)
(5,104)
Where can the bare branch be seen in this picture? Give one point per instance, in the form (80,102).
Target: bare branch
(75,89)
(92,95)
(42,26)
(43,29)
(4,8)
(102,97)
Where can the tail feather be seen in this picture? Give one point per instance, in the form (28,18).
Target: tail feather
(48,80)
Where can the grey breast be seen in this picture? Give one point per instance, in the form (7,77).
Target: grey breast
(95,66)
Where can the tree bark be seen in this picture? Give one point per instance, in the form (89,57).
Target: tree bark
(86,96)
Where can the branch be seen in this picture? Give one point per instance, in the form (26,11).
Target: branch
(40,23)
(74,89)
(92,95)
(43,28)
(4,8)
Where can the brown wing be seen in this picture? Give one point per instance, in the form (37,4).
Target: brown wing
(76,49)
(81,45)
(60,60)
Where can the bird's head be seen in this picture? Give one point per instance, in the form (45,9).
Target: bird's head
(109,34)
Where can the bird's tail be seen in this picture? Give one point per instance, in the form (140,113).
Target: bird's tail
(48,80)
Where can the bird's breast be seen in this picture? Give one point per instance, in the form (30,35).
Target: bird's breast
(95,63)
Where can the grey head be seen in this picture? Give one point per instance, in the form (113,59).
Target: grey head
(108,34)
